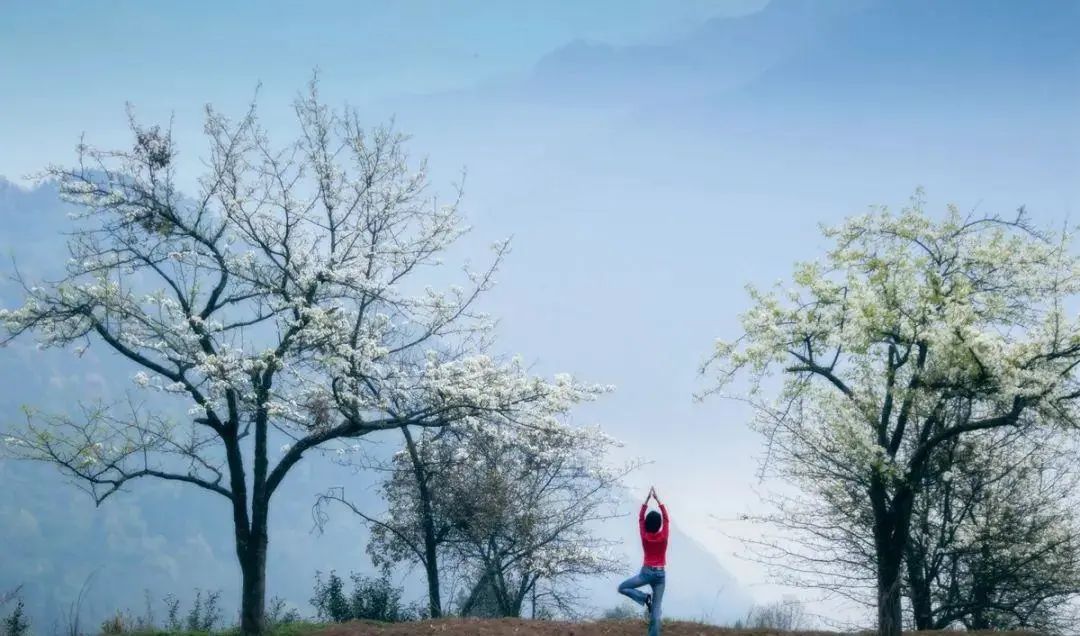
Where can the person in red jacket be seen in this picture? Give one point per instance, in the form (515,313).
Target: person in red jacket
(654,539)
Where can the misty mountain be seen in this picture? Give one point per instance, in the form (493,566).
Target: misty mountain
(801,55)
(837,50)
(722,54)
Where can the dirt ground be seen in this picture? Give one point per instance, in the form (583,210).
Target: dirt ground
(517,627)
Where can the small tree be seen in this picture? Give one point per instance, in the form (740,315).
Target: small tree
(330,599)
(509,508)
(415,536)
(913,333)
(524,505)
(283,306)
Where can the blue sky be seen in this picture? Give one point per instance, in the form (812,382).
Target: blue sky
(689,149)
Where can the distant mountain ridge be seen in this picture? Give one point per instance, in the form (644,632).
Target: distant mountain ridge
(803,47)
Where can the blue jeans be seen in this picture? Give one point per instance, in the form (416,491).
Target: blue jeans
(653,577)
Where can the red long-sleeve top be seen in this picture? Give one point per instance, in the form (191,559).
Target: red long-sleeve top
(654,543)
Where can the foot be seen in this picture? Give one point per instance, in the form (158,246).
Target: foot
(648,603)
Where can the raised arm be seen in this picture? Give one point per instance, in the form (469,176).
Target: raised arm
(663,514)
(644,507)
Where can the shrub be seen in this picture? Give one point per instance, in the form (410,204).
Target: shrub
(203,617)
(329,599)
(372,598)
(115,624)
(786,614)
(127,623)
(204,614)
(16,624)
(172,613)
(624,611)
(276,614)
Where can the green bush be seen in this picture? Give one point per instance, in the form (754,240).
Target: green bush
(204,617)
(374,599)
(172,613)
(277,615)
(204,614)
(16,624)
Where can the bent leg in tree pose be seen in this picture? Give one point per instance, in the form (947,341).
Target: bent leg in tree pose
(654,538)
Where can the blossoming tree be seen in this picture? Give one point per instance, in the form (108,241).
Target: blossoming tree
(285,302)
(509,512)
(913,332)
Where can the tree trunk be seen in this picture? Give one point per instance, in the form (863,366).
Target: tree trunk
(431,552)
(474,594)
(253,595)
(890,616)
(434,595)
(892,523)
(253,599)
(919,592)
(892,530)
(251,540)
(980,597)
(502,596)
(253,566)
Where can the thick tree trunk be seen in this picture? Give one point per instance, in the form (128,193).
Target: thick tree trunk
(892,530)
(892,523)
(251,540)
(890,616)
(253,596)
(253,566)
(250,531)
(253,599)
